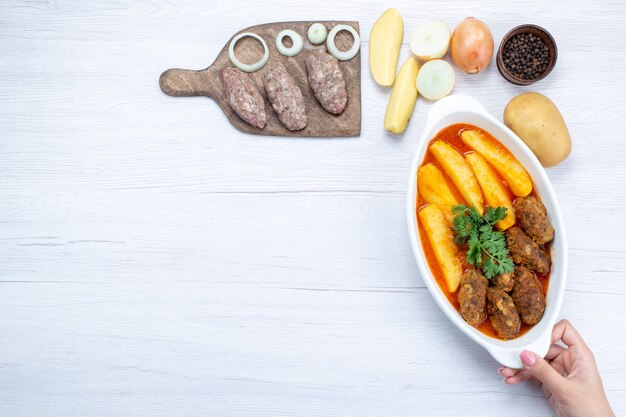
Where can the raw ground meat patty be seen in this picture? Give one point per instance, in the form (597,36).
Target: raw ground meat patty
(286,97)
(243,96)
(326,81)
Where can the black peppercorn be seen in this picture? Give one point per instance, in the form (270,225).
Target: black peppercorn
(526,56)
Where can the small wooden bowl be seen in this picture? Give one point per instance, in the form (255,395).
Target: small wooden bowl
(542,34)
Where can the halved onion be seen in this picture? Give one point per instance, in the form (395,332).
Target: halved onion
(430,40)
(317,33)
(296,40)
(334,51)
(435,79)
(248,67)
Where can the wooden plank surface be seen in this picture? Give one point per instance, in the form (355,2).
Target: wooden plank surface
(207,82)
(156,261)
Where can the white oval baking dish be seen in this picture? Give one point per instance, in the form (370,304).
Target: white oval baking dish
(464,109)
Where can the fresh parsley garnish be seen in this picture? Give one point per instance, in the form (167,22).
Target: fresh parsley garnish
(486,246)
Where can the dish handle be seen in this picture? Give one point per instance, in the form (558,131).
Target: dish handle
(509,356)
(451,104)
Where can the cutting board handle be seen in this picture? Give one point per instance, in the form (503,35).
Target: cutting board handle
(186,83)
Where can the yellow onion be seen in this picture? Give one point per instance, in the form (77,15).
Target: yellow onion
(471,45)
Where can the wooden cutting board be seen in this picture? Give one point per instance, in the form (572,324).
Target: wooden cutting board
(185,83)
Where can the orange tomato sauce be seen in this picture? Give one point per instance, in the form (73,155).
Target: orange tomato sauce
(452,136)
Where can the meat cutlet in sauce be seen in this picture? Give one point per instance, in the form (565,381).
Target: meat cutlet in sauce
(503,282)
(528,296)
(473,297)
(503,314)
(525,251)
(533,219)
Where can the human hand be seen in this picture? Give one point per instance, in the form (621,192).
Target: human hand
(568,376)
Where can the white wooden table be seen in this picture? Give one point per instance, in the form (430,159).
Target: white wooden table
(156,262)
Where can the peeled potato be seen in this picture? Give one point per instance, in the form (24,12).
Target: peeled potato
(459,172)
(494,191)
(385,41)
(403,97)
(434,188)
(506,164)
(442,243)
(537,121)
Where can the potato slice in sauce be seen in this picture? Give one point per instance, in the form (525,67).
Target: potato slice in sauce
(496,195)
(434,188)
(505,163)
(459,172)
(442,242)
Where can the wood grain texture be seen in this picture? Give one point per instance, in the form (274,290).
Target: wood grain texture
(184,83)
(157,262)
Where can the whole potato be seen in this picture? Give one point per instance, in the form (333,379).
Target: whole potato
(538,122)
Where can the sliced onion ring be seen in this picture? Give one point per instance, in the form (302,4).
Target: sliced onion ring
(248,67)
(334,51)
(296,40)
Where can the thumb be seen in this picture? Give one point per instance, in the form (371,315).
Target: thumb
(542,370)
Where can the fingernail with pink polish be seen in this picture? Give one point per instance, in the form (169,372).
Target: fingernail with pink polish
(527,357)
